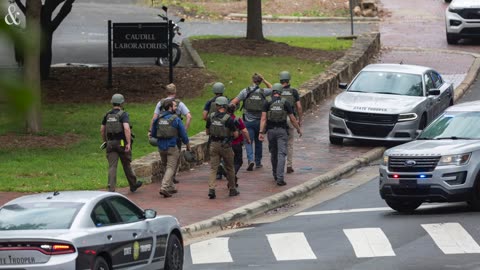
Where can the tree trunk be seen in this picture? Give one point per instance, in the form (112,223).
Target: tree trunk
(254,20)
(32,68)
(46,53)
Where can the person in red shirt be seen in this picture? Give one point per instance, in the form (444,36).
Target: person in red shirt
(237,144)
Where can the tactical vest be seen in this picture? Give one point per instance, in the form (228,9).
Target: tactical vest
(113,126)
(276,112)
(217,126)
(255,100)
(165,130)
(287,94)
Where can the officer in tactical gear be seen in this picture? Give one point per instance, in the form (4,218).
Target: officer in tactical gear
(292,96)
(168,129)
(253,98)
(117,134)
(237,143)
(210,107)
(221,129)
(274,123)
(181,110)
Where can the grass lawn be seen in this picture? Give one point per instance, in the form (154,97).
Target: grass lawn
(82,165)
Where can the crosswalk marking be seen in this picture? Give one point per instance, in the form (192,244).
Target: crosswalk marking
(369,242)
(452,238)
(290,246)
(356,210)
(211,251)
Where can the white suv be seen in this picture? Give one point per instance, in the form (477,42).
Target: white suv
(462,20)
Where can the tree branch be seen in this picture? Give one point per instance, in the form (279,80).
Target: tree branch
(21,6)
(64,11)
(51,5)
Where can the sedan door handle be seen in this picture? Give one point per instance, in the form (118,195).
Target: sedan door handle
(109,237)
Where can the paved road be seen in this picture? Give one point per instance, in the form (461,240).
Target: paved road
(353,231)
(82,37)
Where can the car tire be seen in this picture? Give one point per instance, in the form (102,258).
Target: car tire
(403,206)
(100,264)
(423,122)
(336,140)
(174,256)
(452,39)
(474,201)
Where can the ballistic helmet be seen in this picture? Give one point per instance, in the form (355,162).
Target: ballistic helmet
(284,76)
(221,101)
(277,87)
(153,141)
(190,156)
(118,99)
(218,88)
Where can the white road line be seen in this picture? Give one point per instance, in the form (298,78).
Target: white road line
(357,210)
(211,251)
(328,212)
(369,242)
(452,238)
(290,246)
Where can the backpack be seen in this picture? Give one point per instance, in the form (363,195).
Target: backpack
(276,112)
(165,130)
(113,125)
(217,126)
(254,100)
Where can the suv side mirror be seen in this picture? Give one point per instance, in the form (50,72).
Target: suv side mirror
(343,86)
(434,92)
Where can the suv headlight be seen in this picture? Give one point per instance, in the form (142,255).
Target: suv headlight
(407,117)
(458,160)
(337,112)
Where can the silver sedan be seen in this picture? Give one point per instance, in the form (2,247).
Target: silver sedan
(86,230)
(388,102)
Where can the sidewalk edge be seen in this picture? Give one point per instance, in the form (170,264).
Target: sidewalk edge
(296,193)
(469,79)
(241,16)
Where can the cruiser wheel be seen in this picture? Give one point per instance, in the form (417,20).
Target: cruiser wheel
(174,257)
(474,202)
(100,264)
(403,206)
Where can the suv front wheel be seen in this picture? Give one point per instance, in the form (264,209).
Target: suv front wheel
(403,206)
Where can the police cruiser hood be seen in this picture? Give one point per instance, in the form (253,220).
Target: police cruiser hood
(434,148)
(461,4)
(376,103)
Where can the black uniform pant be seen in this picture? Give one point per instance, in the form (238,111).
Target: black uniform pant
(277,145)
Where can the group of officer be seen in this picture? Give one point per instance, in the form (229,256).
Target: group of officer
(273,111)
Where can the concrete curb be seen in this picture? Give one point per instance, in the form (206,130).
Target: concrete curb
(193,53)
(469,79)
(240,16)
(242,214)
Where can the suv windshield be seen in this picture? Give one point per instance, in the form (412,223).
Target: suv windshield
(38,216)
(453,125)
(388,83)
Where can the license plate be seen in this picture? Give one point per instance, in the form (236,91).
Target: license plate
(408,183)
(13,260)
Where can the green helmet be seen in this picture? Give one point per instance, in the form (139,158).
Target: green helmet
(153,141)
(118,99)
(284,75)
(277,87)
(218,88)
(221,101)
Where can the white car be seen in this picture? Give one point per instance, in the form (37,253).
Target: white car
(462,20)
(388,102)
(86,230)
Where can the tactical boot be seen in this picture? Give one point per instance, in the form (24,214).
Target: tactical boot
(290,170)
(165,193)
(281,183)
(211,194)
(233,192)
(136,186)
(175,181)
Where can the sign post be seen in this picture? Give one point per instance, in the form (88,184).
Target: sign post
(109,82)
